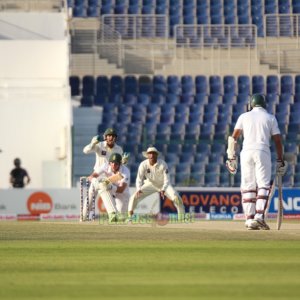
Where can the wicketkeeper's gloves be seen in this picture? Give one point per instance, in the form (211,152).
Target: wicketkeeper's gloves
(95,140)
(281,167)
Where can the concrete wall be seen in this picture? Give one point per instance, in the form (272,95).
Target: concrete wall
(35,105)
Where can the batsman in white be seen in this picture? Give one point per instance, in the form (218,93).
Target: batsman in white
(153,177)
(103,150)
(257,127)
(111,181)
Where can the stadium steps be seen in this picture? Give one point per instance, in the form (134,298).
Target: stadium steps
(85,126)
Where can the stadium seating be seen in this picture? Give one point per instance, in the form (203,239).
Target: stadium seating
(179,127)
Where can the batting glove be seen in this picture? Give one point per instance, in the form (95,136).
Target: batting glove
(232,165)
(125,158)
(281,167)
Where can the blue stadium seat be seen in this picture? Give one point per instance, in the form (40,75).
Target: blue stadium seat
(284,7)
(172,99)
(159,84)
(174,85)
(242,99)
(228,99)
(153,112)
(139,112)
(221,131)
(167,117)
(286,84)
(88,85)
(93,2)
(187,84)
(174,148)
(243,84)
(130,99)
(143,99)
(177,131)
(130,85)
(161,9)
(79,11)
(192,131)
(102,90)
(282,108)
(201,84)
(229,85)
(116,85)
(92,11)
(106,9)
(215,86)
(296,6)
(133,9)
(145,85)
(286,99)
(282,118)
(270,7)
(258,84)
(74,82)
(158,99)
(186,99)
(272,84)
(87,100)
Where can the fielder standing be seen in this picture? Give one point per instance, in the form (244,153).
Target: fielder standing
(115,196)
(257,127)
(153,177)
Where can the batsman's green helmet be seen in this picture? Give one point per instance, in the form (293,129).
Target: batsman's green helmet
(116,158)
(258,100)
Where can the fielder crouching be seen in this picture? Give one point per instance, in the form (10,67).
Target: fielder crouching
(111,183)
(153,177)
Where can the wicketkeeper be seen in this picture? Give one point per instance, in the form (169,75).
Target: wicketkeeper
(153,177)
(257,127)
(111,182)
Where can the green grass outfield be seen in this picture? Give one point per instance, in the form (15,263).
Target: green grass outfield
(204,260)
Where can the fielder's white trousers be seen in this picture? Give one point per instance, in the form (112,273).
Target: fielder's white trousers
(148,189)
(256,171)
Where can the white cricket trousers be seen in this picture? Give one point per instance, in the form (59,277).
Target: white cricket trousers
(256,171)
(148,189)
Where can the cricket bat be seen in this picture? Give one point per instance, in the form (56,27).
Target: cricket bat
(280,202)
(271,194)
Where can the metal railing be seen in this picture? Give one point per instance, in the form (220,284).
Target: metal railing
(134,27)
(225,36)
(129,42)
(109,44)
(282,25)
(281,59)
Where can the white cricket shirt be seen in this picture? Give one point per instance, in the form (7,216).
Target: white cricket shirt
(106,171)
(258,127)
(103,152)
(157,174)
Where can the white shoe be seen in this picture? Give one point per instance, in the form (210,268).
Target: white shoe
(252,225)
(262,224)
